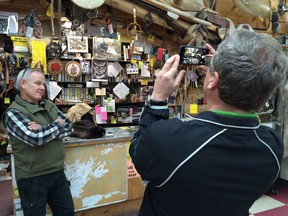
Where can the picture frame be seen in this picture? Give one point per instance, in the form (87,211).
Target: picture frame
(55,67)
(73,69)
(132,69)
(99,70)
(77,44)
(85,65)
(106,48)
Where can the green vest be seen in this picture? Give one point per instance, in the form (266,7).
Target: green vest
(34,161)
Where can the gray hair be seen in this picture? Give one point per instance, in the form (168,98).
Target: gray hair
(25,74)
(250,67)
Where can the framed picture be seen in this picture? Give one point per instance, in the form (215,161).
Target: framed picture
(77,44)
(106,48)
(132,69)
(99,70)
(85,65)
(73,69)
(55,67)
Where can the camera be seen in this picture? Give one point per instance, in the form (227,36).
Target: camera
(192,55)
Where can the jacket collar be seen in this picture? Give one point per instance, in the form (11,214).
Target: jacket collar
(229,121)
(32,107)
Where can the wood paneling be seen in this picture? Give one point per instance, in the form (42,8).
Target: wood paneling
(23,7)
(227,8)
(135,194)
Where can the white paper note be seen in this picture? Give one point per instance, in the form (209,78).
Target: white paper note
(114,69)
(54,90)
(121,90)
(144,70)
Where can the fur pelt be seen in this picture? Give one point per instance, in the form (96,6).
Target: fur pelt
(87,129)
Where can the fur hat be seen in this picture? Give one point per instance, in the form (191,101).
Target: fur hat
(87,129)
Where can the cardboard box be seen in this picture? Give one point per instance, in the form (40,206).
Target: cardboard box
(3,172)
(3,167)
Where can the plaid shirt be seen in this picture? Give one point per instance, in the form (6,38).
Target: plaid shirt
(16,123)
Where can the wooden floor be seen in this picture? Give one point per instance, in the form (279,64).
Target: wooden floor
(270,204)
(129,207)
(129,214)
(6,202)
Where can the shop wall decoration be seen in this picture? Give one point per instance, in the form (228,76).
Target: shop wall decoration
(106,48)
(73,69)
(77,44)
(99,70)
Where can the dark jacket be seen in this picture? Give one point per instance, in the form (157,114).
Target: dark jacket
(214,164)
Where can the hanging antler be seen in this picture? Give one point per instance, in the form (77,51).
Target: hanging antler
(134,29)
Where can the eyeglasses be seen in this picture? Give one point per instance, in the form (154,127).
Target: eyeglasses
(24,72)
(16,83)
(38,66)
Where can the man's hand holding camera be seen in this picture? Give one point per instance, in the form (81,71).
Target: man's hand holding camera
(167,80)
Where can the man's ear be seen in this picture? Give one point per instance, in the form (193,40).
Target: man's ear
(22,81)
(213,81)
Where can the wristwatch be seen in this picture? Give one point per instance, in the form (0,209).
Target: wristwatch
(152,102)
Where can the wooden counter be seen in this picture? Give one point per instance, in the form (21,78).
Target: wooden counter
(135,194)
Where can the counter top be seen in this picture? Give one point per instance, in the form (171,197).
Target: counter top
(113,134)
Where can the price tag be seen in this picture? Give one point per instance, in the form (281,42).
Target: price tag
(193,108)
(144,82)
(151,62)
(6,100)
